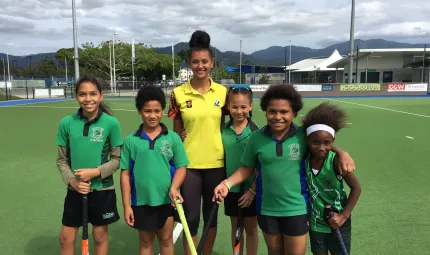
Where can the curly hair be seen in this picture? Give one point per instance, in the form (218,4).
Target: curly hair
(327,114)
(286,92)
(150,93)
(200,40)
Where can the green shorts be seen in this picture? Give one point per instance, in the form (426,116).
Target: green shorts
(321,243)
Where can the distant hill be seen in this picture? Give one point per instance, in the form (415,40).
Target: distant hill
(272,56)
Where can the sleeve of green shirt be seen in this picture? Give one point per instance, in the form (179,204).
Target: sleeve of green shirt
(249,157)
(125,155)
(116,134)
(180,156)
(115,137)
(63,133)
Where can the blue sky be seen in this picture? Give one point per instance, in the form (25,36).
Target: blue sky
(34,26)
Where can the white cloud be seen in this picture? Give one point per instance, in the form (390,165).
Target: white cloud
(46,25)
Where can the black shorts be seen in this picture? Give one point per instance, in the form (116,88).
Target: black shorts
(151,218)
(102,208)
(199,185)
(231,207)
(321,243)
(289,226)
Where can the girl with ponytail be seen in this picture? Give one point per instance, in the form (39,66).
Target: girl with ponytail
(198,110)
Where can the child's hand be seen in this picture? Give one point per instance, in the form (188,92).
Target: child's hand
(183,135)
(174,194)
(80,186)
(129,216)
(246,199)
(220,192)
(87,174)
(346,163)
(337,220)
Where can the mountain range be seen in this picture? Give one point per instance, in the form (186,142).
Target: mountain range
(272,56)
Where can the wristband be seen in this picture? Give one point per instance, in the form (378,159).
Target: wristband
(227,184)
(253,192)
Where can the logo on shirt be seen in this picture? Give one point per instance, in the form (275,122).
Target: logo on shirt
(294,152)
(166,148)
(97,134)
(189,104)
(216,103)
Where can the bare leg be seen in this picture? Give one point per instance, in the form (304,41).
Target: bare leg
(101,239)
(67,240)
(275,244)
(294,245)
(146,243)
(165,238)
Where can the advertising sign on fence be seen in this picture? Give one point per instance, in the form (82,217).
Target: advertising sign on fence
(396,87)
(259,88)
(327,88)
(308,87)
(360,87)
(416,87)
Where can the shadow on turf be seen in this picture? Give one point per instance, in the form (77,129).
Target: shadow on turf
(43,245)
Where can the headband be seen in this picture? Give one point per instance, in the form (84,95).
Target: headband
(319,127)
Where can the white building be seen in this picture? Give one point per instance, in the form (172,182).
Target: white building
(185,74)
(311,70)
(386,65)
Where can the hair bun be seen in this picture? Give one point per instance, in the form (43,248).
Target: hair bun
(200,39)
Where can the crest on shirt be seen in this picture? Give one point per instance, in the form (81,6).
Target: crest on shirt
(189,103)
(294,152)
(166,148)
(216,103)
(97,134)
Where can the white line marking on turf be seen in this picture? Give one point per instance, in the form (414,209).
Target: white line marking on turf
(62,107)
(381,108)
(410,137)
(349,123)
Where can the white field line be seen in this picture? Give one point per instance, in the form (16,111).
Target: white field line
(63,107)
(381,108)
(409,137)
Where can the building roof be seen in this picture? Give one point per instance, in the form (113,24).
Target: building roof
(312,64)
(341,63)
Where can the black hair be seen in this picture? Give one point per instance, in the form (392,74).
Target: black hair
(327,114)
(286,92)
(150,93)
(91,79)
(200,40)
(247,91)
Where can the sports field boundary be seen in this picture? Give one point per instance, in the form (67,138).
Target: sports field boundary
(377,107)
(49,100)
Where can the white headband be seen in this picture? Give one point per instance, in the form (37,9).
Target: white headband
(318,127)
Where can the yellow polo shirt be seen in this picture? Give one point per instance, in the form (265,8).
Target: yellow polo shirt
(201,116)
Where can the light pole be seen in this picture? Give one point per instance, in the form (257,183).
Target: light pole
(110,67)
(351,42)
(113,54)
(65,64)
(8,69)
(289,66)
(75,42)
(240,63)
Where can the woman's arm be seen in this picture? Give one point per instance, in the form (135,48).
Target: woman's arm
(178,127)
